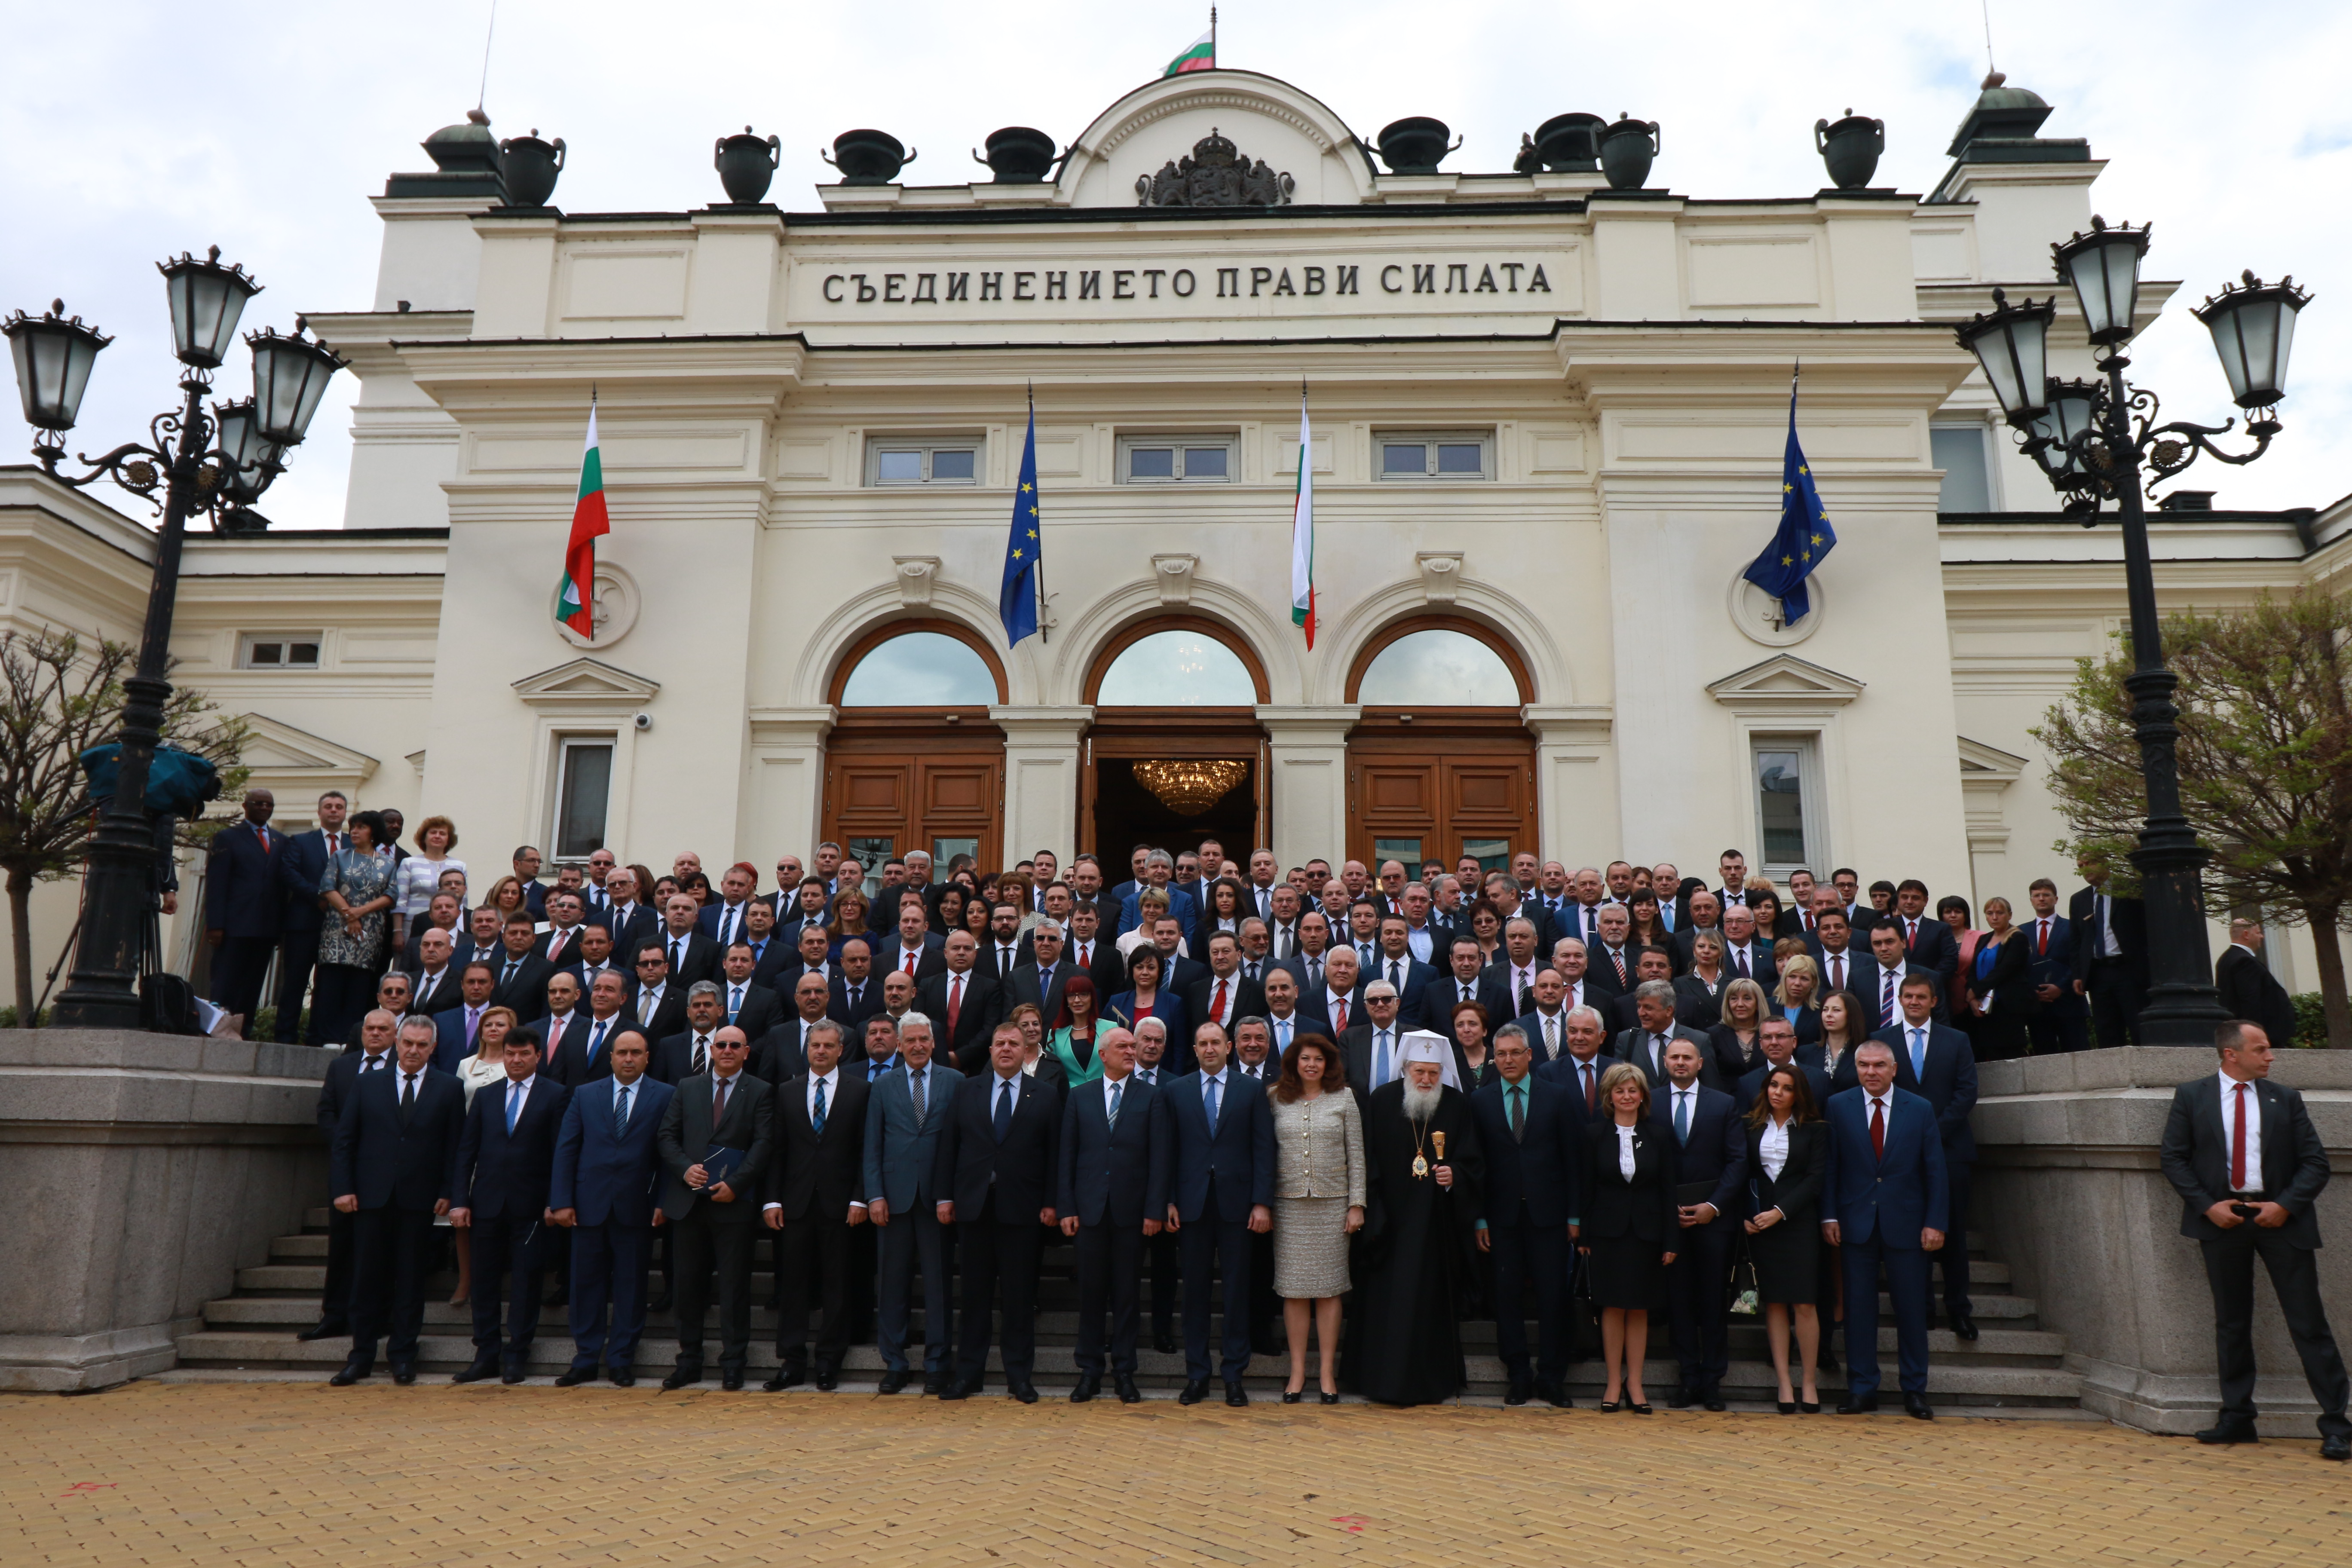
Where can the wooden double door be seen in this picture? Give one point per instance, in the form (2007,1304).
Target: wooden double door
(1432,795)
(887,793)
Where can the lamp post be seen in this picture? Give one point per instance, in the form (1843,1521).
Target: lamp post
(217,463)
(2094,440)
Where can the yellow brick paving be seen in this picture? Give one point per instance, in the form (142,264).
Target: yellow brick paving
(298,1475)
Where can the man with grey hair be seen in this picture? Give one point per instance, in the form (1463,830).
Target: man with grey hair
(1644,1045)
(904,1113)
(393,1159)
(1151,1050)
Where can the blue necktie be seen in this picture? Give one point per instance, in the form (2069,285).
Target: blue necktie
(621,1112)
(1209,1099)
(816,1117)
(596,1039)
(514,1109)
(1003,1108)
(1682,1117)
(1112,1113)
(1919,1056)
(1381,1059)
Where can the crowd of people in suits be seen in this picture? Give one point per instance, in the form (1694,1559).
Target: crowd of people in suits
(1209,1080)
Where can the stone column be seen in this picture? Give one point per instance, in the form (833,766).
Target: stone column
(1309,750)
(148,1170)
(1041,779)
(783,798)
(1576,792)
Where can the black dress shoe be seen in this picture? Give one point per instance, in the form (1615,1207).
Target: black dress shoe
(325,1330)
(1089,1385)
(1713,1399)
(622,1377)
(828,1378)
(936,1385)
(1916,1406)
(1164,1344)
(403,1375)
(1025,1391)
(1680,1399)
(1858,1404)
(483,1366)
(512,1376)
(2228,1432)
(1195,1392)
(659,1303)
(731,1379)
(956,1389)
(1964,1325)
(680,1376)
(787,1376)
(355,1369)
(573,1376)
(1827,1360)
(1236,1396)
(1124,1386)
(2338,1448)
(1555,1393)
(893,1380)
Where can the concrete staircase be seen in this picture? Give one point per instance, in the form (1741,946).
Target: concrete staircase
(2015,1368)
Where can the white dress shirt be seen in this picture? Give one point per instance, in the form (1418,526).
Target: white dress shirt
(1625,1150)
(2229,1087)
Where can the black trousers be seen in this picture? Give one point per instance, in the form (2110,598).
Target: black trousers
(509,1258)
(1210,1243)
(335,1301)
(344,993)
(813,1252)
(390,1255)
(703,1242)
(238,966)
(1953,1256)
(2066,1031)
(2116,1000)
(1167,1276)
(865,1263)
(1110,1278)
(1266,1306)
(2294,1274)
(1524,1252)
(1001,1256)
(297,955)
(1694,1290)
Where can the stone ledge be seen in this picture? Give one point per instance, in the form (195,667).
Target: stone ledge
(78,1363)
(2182,1405)
(123,1080)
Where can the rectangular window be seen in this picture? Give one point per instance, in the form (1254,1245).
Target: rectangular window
(943,850)
(1408,851)
(950,460)
(582,796)
(1179,459)
(869,853)
(1783,773)
(1964,453)
(278,650)
(1491,854)
(1434,454)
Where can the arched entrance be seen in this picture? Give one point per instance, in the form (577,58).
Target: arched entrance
(1439,764)
(1175,754)
(913,761)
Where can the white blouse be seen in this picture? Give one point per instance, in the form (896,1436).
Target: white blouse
(474,1072)
(1624,1151)
(1773,1147)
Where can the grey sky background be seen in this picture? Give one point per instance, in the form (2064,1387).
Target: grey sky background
(131,134)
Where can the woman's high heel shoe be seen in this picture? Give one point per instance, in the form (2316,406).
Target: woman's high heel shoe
(1292,1396)
(1329,1396)
(1810,1407)
(1788,1407)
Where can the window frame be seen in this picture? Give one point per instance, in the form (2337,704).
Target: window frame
(248,642)
(1989,454)
(565,742)
(1812,799)
(1230,440)
(929,446)
(1483,438)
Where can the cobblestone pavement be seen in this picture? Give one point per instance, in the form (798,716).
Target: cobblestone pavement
(302,1474)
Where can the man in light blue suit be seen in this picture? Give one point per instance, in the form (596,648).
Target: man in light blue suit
(1886,1205)
(607,1168)
(904,1114)
(1158,867)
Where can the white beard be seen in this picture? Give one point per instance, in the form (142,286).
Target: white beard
(1420,1104)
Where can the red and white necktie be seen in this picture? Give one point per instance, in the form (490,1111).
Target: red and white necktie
(1339,1020)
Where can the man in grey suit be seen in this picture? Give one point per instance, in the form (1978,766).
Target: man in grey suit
(908,1106)
(1645,1044)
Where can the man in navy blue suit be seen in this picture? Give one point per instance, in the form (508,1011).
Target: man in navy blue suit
(1885,1206)
(297,952)
(1531,1145)
(1396,964)
(996,1172)
(1935,1061)
(607,1170)
(394,1163)
(1117,1152)
(2064,1024)
(1223,1192)
(1776,1038)
(1711,1148)
(1928,941)
(505,1157)
(244,905)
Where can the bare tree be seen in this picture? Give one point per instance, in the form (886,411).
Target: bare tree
(2266,753)
(56,702)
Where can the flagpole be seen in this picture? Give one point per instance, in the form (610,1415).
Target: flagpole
(1037,565)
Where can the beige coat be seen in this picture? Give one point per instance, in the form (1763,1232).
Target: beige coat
(1319,1147)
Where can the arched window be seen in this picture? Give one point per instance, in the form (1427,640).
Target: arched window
(1183,667)
(1438,666)
(919,669)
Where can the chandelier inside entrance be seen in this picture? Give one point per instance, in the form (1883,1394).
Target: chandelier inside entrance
(1189,785)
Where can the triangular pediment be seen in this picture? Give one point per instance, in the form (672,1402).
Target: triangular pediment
(1785,680)
(1983,764)
(278,751)
(585,681)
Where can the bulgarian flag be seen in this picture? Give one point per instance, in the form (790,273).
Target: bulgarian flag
(1302,531)
(1201,56)
(575,599)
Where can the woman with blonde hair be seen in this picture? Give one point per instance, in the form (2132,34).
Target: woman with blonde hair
(1735,1037)
(487,1065)
(1795,995)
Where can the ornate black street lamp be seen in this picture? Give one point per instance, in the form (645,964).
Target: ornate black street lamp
(216,463)
(2096,440)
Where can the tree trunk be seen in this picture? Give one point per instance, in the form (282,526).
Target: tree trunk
(20,942)
(2329,950)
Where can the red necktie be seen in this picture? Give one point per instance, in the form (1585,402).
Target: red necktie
(1085,948)
(1912,940)
(2041,939)
(1217,1003)
(2238,1144)
(1592,1089)
(263,834)
(1739,958)
(1340,1023)
(955,1001)
(555,945)
(911,956)
(718,1102)
(1878,1129)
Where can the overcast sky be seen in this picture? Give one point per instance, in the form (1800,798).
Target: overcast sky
(133,130)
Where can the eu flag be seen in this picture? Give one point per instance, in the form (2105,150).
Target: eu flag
(1016,601)
(1804,535)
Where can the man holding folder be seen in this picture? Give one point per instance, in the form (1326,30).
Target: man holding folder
(715,1140)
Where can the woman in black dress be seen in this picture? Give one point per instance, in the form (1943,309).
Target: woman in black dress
(1737,1048)
(1788,1144)
(2000,983)
(1646,930)
(1627,1229)
(1472,1054)
(1698,992)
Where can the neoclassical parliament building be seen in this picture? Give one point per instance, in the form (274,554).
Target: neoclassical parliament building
(1547,422)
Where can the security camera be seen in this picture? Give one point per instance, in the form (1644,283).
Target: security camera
(643,721)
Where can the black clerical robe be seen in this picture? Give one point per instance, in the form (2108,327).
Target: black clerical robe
(1415,1254)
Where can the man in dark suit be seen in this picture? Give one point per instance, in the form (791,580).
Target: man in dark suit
(585,1054)
(1396,964)
(521,982)
(749,1005)
(2064,1021)
(1649,964)
(446,914)
(2249,990)
(375,1055)
(297,950)
(1530,1192)
(916,950)
(1338,1005)
(1704,913)
(2243,1156)
(996,1175)
(1610,972)
(1928,941)
(1222,1193)
(772,953)
(962,1002)
(506,1156)
(1088,952)
(908,1106)
(632,921)
(1711,1153)
(1776,1038)
(560,943)
(244,905)
(1645,1044)
(1039,981)
(606,1174)
(813,1203)
(658,1004)
(1579,1067)
(999,956)
(1372,1051)
(726,1109)
(1466,980)
(1885,1206)
(454,1027)
(1935,1061)
(1842,960)
(434,981)
(2110,957)
(395,1165)
(856,990)
(527,864)
(1224,994)
(686,1054)
(722,921)
(1117,1150)
(1747,952)
(692,955)
(595,956)
(1878,982)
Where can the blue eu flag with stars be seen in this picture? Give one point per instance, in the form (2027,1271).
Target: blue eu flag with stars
(1016,601)
(1804,535)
